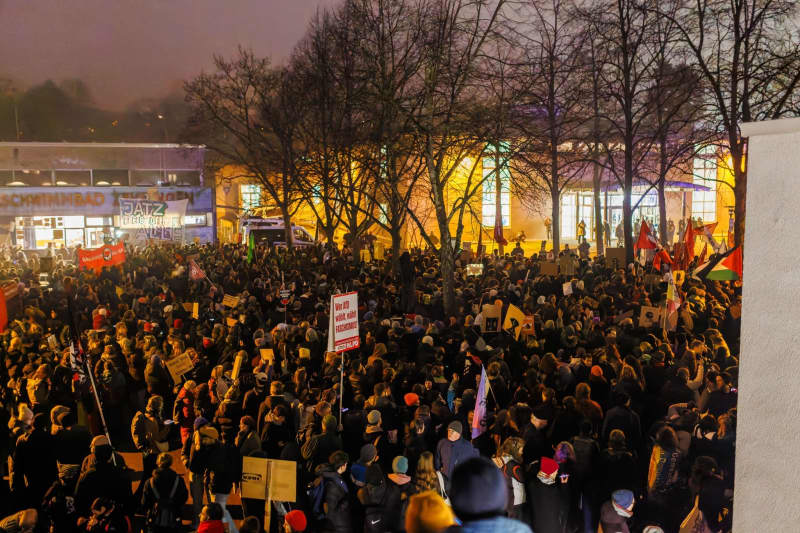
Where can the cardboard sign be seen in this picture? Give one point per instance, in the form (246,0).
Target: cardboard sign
(230,322)
(679,276)
(237,367)
(567,266)
(267,355)
(491,319)
(195,310)
(548,269)
(269,479)
(528,327)
(615,254)
(230,301)
(514,321)
(304,353)
(649,316)
(343,334)
(475,269)
(178,366)
(567,288)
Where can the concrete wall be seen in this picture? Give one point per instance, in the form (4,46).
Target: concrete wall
(767,494)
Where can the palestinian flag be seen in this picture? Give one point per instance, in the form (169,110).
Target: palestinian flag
(728,267)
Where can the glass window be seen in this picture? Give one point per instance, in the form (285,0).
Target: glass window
(98,221)
(73,221)
(382,210)
(489,198)
(251,196)
(704,203)
(568,213)
(73,178)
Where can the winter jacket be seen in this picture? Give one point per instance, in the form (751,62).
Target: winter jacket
(337,502)
(450,454)
(34,467)
(163,480)
(375,499)
(105,480)
(183,413)
(549,505)
(611,521)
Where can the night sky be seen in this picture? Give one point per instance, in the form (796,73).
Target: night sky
(126,49)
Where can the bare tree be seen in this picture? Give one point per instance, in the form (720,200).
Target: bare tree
(748,53)
(443,116)
(229,108)
(554,111)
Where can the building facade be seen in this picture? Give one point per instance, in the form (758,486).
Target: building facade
(68,194)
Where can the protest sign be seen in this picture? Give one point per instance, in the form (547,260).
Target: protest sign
(105,256)
(304,353)
(514,321)
(267,355)
(491,319)
(475,269)
(230,321)
(178,366)
(679,276)
(567,265)
(195,310)
(344,322)
(615,254)
(649,316)
(528,327)
(230,300)
(237,367)
(567,288)
(254,478)
(548,269)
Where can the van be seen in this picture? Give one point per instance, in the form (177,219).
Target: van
(271,232)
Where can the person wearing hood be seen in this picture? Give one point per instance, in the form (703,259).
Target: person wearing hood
(183,410)
(149,435)
(479,498)
(375,435)
(90,460)
(168,490)
(375,497)
(616,512)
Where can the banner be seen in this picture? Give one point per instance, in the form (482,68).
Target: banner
(649,316)
(153,219)
(105,256)
(344,322)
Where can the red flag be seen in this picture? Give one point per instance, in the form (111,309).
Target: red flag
(646,241)
(195,272)
(688,242)
(662,257)
(703,255)
(105,256)
(498,231)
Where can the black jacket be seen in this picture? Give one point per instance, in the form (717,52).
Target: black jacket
(164,480)
(337,502)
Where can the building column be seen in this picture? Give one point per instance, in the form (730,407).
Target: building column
(768,428)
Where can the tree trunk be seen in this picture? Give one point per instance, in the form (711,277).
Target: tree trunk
(555,197)
(448,267)
(598,212)
(662,212)
(287,225)
(396,242)
(498,200)
(740,196)
(627,212)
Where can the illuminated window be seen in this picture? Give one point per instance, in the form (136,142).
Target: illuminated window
(383,209)
(489,207)
(704,203)
(251,196)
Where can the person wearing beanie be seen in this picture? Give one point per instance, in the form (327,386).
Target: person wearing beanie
(615,513)
(452,451)
(211,519)
(294,521)
(71,444)
(428,513)
(549,498)
(90,460)
(104,480)
(358,471)
(411,400)
(479,497)
(374,434)
(536,442)
(168,489)
(400,490)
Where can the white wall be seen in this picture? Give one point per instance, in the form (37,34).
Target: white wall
(767,494)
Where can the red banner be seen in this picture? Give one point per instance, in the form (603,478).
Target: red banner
(105,256)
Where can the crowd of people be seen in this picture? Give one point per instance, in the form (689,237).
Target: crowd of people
(593,421)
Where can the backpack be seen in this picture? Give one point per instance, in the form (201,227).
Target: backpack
(315,492)
(163,514)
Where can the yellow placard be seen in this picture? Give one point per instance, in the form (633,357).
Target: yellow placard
(254,478)
(282,480)
(304,353)
(514,314)
(178,366)
(195,310)
(230,322)
(230,300)
(679,276)
(267,355)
